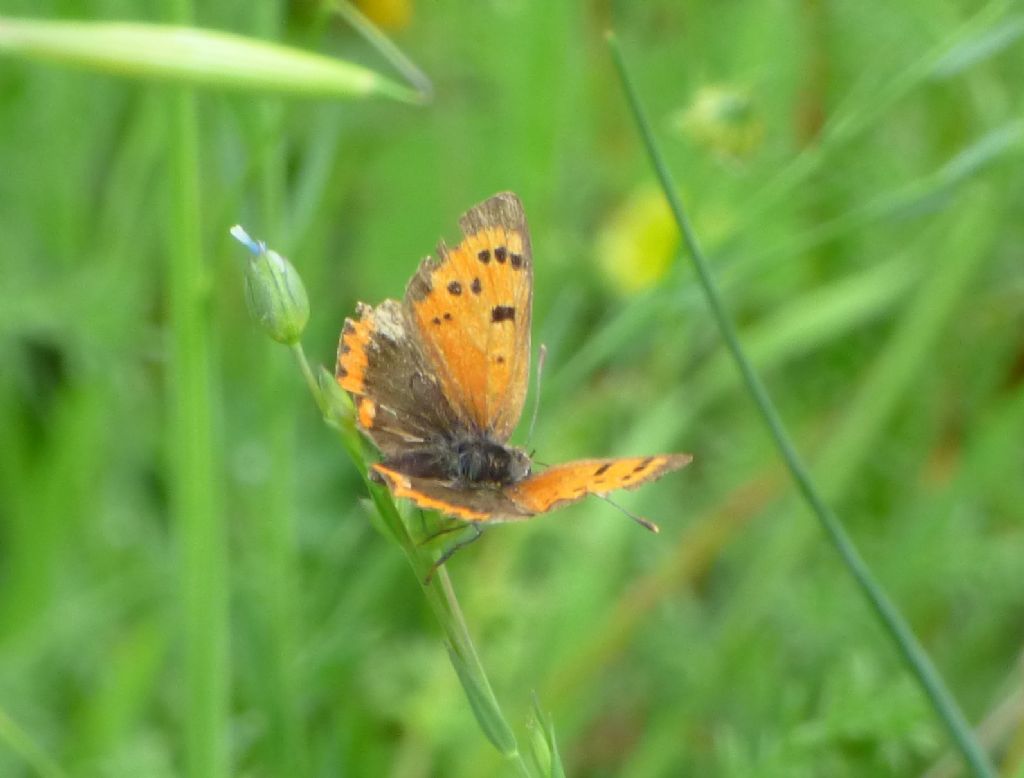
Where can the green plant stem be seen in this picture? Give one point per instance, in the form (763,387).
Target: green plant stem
(850,120)
(387,48)
(893,621)
(438,590)
(279,558)
(195,501)
(307,372)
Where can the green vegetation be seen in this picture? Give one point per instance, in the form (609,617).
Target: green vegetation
(193,577)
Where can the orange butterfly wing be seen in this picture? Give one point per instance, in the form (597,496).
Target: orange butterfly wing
(476,505)
(472,307)
(555,487)
(455,358)
(571,482)
(399,405)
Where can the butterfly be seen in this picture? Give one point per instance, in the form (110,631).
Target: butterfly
(438,382)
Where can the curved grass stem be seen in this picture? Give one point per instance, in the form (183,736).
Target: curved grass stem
(195,496)
(911,650)
(438,589)
(387,48)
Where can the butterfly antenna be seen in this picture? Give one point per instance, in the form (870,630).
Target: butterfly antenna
(541,359)
(645,523)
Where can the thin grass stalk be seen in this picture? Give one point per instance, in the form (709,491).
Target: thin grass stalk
(848,122)
(278,555)
(278,545)
(386,47)
(911,650)
(195,501)
(438,589)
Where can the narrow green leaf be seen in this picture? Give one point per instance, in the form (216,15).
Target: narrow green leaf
(920,664)
(999,142)
(989,42)
(193,56)
(484,705)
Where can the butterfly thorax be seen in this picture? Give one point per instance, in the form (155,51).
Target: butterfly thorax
(469,461)
(479,461)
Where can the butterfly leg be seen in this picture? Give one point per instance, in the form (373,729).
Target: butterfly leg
(450,551)
(454,526)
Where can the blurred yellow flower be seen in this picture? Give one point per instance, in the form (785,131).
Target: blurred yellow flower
(638,242)
(723,119)
(387,14)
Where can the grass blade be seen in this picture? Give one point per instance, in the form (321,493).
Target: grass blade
(195,500)
(912,652)
(194,56)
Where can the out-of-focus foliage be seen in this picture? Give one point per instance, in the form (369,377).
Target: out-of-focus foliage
(855,173)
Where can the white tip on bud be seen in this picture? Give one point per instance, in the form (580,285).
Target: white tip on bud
(274,291)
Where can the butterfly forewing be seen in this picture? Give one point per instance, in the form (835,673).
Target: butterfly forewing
(564,484)
(472,308)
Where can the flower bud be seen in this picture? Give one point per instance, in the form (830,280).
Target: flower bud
(273,291)
(724,120)
(543,747)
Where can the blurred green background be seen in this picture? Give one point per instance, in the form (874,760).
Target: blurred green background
(854,171)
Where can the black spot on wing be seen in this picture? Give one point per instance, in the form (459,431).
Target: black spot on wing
(455,288)
(500,254)
(643,465)
(476,286)
(484,256)
(500,313)
(603,468)
(516,261)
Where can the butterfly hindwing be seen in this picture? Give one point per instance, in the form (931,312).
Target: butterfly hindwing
(472,307)
(475,505)
(554,488)
(399,403)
